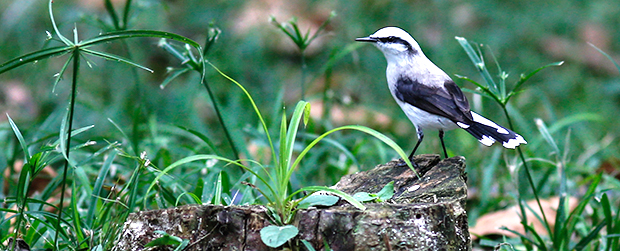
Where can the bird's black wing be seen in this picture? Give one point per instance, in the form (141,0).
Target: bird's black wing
(448,101)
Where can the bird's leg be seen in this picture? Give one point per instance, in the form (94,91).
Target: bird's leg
(443,144)
(420,137)
(415,165)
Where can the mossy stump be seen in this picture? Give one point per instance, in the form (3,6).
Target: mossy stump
(424,214)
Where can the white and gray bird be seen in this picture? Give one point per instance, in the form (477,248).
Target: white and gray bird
(428,96)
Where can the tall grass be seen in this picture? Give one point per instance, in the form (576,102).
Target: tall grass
(564,234)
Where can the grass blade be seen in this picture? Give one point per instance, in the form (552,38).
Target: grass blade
(110,9)
(301,111)
(247,94)
(172,76)
(524,78)
(61,72)
(217,195)
(77,220)
(34,56)
(110,36)
(202,137)
(60,36)
(20,138)
(97,187)
(606,55)
(573,218)
(479,63)
(281,164)
(112,57)
(364,129)
(335,144)
(126,14)
(193,158)
(590,237)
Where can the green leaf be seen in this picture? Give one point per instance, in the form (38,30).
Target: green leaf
(275,236)
(166,239)
(387,192)
(318,200)
(338,193)
(364,196)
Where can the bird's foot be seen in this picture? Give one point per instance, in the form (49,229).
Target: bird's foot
(402,163)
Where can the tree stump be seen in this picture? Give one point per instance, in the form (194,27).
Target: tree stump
(424,214)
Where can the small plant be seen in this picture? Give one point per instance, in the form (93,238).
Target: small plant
(274,179)
(386,193)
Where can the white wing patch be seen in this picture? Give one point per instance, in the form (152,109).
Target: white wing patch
(462,125)
(487,141)
(482,120)
(513,143)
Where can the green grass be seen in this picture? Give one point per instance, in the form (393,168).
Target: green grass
(110,128)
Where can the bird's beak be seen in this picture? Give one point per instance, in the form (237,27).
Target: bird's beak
(366,39)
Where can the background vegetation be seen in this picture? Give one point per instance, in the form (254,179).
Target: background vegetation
(344,82)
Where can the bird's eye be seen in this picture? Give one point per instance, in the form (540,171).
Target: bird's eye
(390,39)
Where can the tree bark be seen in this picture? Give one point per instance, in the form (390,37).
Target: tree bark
(424,214)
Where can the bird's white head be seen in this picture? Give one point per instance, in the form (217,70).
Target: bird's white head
(395,43)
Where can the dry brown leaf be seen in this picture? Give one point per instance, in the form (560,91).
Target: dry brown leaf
(492,222)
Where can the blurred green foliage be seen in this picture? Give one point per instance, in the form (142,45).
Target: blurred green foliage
(579,101)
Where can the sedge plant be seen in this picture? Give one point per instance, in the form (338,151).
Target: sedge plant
(302,41)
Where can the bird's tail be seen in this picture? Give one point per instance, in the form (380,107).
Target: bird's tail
(487,132)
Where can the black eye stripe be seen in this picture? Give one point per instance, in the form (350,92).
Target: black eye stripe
(392,39)
(397,40)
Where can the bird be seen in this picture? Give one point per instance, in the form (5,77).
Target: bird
(428,96)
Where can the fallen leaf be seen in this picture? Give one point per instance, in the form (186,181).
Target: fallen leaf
(510,218)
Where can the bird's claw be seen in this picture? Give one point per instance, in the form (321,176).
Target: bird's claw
(402,163)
